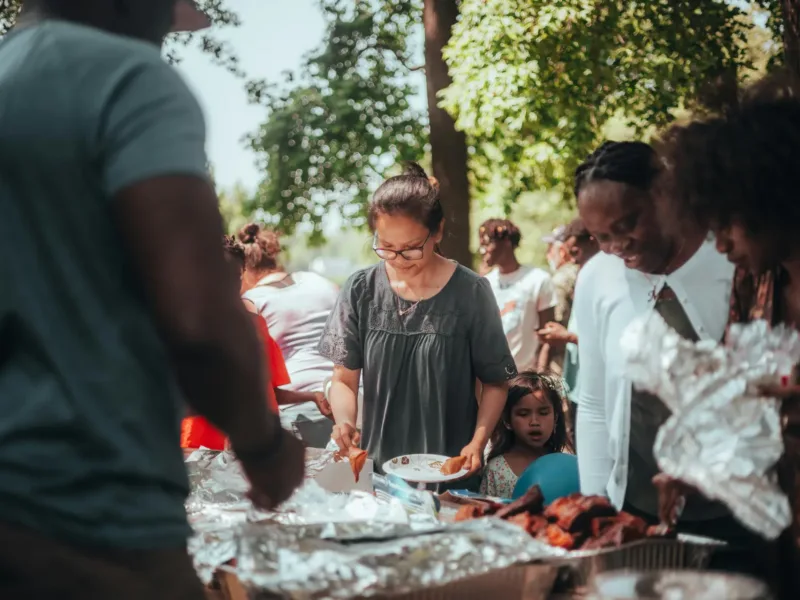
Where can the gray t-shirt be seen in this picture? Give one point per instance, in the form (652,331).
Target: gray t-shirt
(89,412)
(419,369)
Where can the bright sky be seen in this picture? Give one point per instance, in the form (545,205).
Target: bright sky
(273,38)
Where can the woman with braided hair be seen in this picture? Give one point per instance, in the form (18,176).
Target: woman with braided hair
(738,171)
(654,259)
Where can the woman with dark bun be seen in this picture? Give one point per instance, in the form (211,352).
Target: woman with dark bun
(738,171)
(421,330)
(295,307)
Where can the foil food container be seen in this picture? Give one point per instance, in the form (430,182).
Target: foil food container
(723,437)
(358,560)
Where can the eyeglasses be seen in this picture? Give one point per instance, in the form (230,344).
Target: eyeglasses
(408,254)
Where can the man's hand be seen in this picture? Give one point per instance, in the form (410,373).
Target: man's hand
(672,495)
(346,436)
(323,405)
(274,477)
(556,335)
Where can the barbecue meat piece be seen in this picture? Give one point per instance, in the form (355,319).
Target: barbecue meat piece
(531,501)
(555,536)
(575,513)
(537,524)
(522,520)
(614,536)
(600,524)
(469,512)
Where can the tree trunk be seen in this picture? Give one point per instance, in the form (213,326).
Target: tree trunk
(448,146)
(791,35)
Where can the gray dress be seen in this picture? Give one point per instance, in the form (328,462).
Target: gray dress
(419,369)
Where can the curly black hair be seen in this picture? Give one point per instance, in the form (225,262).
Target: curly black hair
(500,229)
(742,164)
(632,163)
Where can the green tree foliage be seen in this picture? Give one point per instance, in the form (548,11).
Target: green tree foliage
(333,130)
(535,81)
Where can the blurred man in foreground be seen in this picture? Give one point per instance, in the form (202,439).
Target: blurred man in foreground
(114,310)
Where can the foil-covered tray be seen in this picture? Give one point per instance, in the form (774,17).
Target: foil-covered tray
(297,562)
(578,568)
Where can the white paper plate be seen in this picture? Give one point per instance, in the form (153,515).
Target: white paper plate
(421,468)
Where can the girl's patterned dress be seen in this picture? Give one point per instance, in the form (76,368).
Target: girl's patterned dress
(498,479)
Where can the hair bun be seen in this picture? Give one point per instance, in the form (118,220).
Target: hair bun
(249,233)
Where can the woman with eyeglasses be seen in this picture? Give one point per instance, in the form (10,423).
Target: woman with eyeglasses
(422,330)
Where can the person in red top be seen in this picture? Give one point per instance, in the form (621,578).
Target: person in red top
(196,431)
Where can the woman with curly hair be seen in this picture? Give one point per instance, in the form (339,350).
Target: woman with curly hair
(738,172)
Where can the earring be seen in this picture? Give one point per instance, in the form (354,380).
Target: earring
(507,425)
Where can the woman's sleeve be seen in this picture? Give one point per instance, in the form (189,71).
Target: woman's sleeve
(341,340)
(491,357)
(591,430)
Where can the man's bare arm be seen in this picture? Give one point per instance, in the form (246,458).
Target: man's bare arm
(172,229)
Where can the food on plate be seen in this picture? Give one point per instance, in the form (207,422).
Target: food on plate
(357,458)
(405,460)
(575,522)
(453,465)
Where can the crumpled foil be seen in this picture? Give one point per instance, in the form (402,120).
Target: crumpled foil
(354,560)
(722,438)
(217,504)
(677,585)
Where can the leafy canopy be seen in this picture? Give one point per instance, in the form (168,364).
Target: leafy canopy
(534,82)
(332,131)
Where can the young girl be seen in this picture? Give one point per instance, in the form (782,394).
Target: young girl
(532,425)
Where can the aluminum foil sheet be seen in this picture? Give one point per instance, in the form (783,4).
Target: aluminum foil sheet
(217,504)
(319,561)
(722,438)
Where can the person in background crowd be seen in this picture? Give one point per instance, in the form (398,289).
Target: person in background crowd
(295,307)
(533,424)
(565,272)
(197,432)
(523,294)
(555,253)
(116,311)
(422,330)
(581,247)
(655,258)
(738,172)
